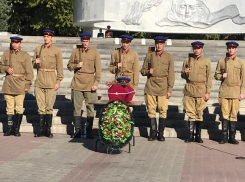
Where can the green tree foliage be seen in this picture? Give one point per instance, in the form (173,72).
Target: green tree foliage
(30,17)
(5,8)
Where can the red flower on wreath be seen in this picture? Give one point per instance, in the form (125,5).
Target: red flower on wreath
(111,135)
(127,127)
(116,130)
(129,117)
(121,104)
(104,117)
(119,135)
(124,133)
(106,110)
(126,110)
(109,120)
(124,119)
(107,131)
(104,125)
(111,104)
(120,125)
(116,101)
(115,121)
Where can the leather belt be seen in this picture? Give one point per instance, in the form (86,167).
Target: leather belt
(82,73)
(18,75)
(197,83)
(46,70)
(230,85)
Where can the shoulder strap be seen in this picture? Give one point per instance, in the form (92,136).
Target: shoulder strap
(39,55)
(10,62)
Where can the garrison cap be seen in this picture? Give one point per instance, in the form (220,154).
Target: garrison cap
(197,44)
(85,36)
(123,79)
(48,32)
(160,39)
(232,44)
(16,39)
(126,37)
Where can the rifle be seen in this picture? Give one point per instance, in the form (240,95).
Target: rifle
(226,56)
(191,55)
(119,61)
(150,50)
(79,47)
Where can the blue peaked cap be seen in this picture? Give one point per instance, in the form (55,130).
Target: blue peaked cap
(85,34)
(126,36)
(48,32)
(123,79)
(16,38)
(232,44)
(160,38)
(197,44)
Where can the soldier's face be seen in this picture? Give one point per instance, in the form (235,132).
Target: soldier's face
(197,51)
(160,46)
(16,45)
(232,50)
(186,9)
(48,39)
(85,43)
(126,45)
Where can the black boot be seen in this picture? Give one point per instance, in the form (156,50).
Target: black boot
(153,129)
(224,132)
(191,126)
(77,124)
(10,130)
(89,127)
(161,126)
(49,118)
(41,132)
(232,132)
(18,119)
(198,138)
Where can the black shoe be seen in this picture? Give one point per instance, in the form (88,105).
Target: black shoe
(198,138)
(77,124)
(77,134)
(232,133)
(224,132)
(191,126)
(41,131)
(11,130)
(18,120)
(153,129)
(89,127)
(161,127)
(49,118)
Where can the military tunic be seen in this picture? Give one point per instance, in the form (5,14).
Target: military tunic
(130,66)
(14,85)
(159,83)
(231,86)
(84,78)
(198,83)
(49,73)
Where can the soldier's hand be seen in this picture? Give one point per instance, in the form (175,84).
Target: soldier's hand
(168,95)
(206,96)
(225,75)
(94,88)
(80,64)
(10,71)
(57,86)
(119,65)
(151,70)
(187,70)
(241,96)
(38,60)
(27,89)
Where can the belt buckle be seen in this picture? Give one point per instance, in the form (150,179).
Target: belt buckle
(45,69)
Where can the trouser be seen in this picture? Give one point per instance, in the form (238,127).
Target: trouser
(14,102)
(45,100)
(156,101)
(194,107)
(229,108)
(78,97)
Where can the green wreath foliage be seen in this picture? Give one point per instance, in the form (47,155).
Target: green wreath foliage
(116,124)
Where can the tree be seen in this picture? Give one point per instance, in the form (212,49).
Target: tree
(5,8)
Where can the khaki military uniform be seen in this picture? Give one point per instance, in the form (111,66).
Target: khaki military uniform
(198,83)
(130,66)
(158,83)
(231,87)
(84,78)
(49,73)
(14,85)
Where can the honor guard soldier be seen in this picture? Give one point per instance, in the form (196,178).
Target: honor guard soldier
(159,68)
(16,64)
(197,72)
(48,61)
(230,71)
(125,62)
(85,62)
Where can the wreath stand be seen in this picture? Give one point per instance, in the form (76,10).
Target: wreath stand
(129,104)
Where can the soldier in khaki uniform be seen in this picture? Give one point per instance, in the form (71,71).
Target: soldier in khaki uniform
(16,64)
(230,71)
(125,62)
(48,61)
(85,62)
(198,75)
(159,68)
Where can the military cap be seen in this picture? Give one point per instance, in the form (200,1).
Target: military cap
(123,79)
(232,44)
(197,44)
(126,37)
(160,39)
(16,39)
(48,32)
(85,36)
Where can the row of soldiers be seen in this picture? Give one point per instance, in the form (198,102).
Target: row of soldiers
(158,66)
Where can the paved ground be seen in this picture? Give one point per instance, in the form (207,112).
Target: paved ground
(64,159)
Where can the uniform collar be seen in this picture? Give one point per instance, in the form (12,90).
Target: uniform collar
(197,57)
(84,50)
(233,58)
(47,46)
(124,51)
(159,53)
(15,51)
